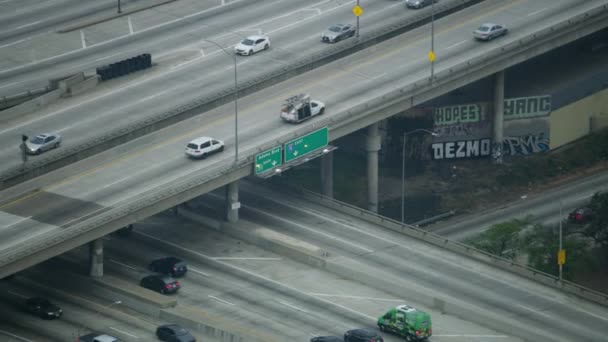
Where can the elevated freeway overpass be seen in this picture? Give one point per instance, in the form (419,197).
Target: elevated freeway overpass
(80,204)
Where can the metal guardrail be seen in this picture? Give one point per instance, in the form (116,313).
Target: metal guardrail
(454,246)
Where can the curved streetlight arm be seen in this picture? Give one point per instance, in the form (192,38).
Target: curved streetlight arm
(236,98)
(403,167)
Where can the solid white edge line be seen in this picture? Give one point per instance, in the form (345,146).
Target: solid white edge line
(120,263)
(220,300)
(124,332)
(15,336)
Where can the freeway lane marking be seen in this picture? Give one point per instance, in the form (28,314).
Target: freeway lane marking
(357,297)
(18,294)
(293,306)
(220,300)
(269,280)
(190,269)
(13,43)
(231,258)
(23,219)
(536,12)
(15,336)
(123,332)
(539,312)
(120,263)
(455,45)
(29,24)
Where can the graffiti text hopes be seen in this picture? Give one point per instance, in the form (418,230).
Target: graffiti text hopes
(457,114)
(461,149)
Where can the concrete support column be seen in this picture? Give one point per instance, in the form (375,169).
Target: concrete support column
(96,257)
(232,201)
(327,174)
(499,111)
(372,146)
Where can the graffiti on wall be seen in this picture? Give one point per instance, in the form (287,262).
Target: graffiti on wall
(461,149)
(527,107)
(467,113)
(526,144)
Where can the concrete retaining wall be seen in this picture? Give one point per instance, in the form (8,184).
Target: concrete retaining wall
(30,106)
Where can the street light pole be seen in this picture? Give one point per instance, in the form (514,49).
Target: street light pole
(357,21)
(560,240)
(403,167)
(236,100)
(432,37)
(119,10)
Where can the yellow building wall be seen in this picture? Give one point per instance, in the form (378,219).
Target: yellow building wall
(578,119)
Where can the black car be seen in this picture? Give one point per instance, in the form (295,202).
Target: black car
(174,333)
(161,284)
(43,308)
(169,265)
(581,215)
(418,3)
(362,335)
(124,231)
(327,339)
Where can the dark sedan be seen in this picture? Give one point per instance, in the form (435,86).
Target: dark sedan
(43,308)
(169,265)
(161,284)
(174,333)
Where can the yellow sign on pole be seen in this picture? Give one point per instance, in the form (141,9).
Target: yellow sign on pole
(431,56)
(561,257)
(357,10)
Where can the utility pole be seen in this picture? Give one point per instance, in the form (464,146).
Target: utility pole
(23,147)
(119,10)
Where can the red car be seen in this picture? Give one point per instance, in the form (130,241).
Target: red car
(581,215)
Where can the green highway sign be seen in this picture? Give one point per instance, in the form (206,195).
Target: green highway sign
(305,144)
(268,159)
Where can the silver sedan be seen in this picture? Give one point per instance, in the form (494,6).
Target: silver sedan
(42,143)
(489,31)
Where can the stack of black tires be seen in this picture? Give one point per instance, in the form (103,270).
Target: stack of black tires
(124,67)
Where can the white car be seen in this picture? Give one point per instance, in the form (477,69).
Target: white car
(203,146)
(251,45)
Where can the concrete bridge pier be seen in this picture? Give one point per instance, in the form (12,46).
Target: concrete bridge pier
(96,257)
(327,174)
(499,111)
(232,201)
(372,146)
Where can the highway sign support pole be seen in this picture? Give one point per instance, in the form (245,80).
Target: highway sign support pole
(432,38)
(560,264)
(357,21)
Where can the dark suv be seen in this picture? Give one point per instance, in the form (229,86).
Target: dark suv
(169,265)
(581,215)
(362,335)
(327,339)
(174,333)
(43,308)
(161,284)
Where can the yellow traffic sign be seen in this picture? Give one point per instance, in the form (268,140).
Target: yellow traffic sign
(431,56)
(357,10)
(561,257)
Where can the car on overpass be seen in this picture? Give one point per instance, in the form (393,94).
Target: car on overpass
(489,31)
(251,45)
(203,147)
(300,107)
(418,3)
(42,142)
(338,32)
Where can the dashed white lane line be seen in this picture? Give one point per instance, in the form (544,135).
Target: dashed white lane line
(358,297)
(455,45)
(538,312)
(130,25)
(15,336)
(28,24)
(122,264)
(220,300)
(536,12)
(15,42)
(123,332)
(190,269)
(17,294)
(235,258)
(15,223)
(293,307)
